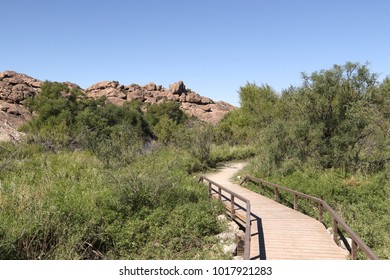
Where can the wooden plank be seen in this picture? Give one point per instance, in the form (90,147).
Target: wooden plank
(285,233)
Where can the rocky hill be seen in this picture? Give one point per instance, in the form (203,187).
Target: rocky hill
(15,88)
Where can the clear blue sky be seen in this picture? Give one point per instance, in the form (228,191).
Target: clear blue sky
(214,46)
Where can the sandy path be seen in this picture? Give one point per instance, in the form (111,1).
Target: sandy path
(225,174)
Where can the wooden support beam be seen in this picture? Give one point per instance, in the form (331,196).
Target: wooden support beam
(335,232)
(320,213)
(354,250)
(276,194)
(233,210)
(295,202)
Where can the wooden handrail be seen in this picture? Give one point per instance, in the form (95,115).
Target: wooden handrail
(337,221)
(234,195)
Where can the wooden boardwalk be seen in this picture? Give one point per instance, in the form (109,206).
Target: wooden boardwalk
(279,232)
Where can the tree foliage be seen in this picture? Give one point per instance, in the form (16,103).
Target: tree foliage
(64,118)
(337,118)
(165,119)
(170,109)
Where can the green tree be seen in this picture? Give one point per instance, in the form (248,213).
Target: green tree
(234,129)
(165,129)
(165,119)
(337,118)
(333,100)
(56,108)
(114,134)
(258,103)
(170,109)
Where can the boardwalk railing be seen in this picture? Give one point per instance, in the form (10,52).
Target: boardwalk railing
(218,190)
(322,205)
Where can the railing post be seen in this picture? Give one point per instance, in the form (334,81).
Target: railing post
(295,202)
(210,189)
(276,194)
(320,212)
(323,206)
(233,210)
(335,231)
(219,193)
(354,250)
(248,234)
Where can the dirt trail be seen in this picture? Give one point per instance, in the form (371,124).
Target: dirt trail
(225,174)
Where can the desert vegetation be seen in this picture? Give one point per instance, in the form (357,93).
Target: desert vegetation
(328,137)
(92,180)
(97,181)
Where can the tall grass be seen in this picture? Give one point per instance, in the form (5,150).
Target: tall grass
(225,152)
(66,205)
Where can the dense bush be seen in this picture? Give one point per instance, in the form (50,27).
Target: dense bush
(68,206)
(196,139)
(170,109)
(226,152)
(337,118)
(97,181)
(56,109)
(116,135)
(165,119)
(64,119)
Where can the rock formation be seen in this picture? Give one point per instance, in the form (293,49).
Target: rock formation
(191,103)
(15,88)
(232,240)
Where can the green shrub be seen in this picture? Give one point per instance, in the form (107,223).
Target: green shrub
(225,152)
(196,138)
(66,120)
(169,109)
(336,119)
(65,205)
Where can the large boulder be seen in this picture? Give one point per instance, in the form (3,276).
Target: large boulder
(8,132)
(107,89)
(115,101)
(136,95)
(171,96)
(150,87)
(193,98)
(133,87)
(232,239)
(177,88)
(211,113)
(12,116)
(103,85)
(15,87)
